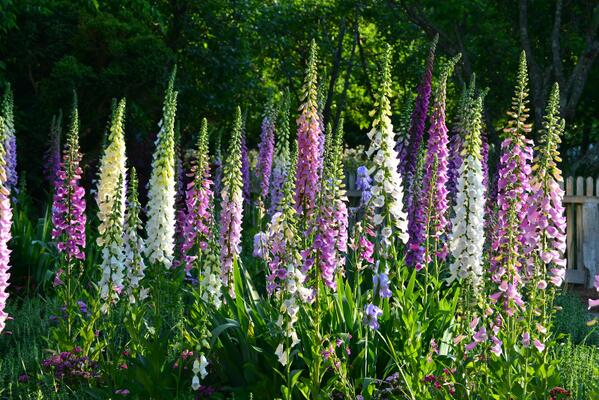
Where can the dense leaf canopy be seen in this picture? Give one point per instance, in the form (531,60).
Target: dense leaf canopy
(232,52)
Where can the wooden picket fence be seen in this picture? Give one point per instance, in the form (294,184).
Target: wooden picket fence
(581,202)
(582,215)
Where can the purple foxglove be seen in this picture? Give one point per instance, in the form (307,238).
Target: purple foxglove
(232,206)
(5,228)
(403,139)
(199,199)
(68,203)
(309,136)
(266,152)
(371,316)
(245,167)
(217,166)
(285,274)
(363,184)
(512,198)
(52,154)
(433,199)
(546,222)
(10,140)
(281,162)
(417,124)
(330,242)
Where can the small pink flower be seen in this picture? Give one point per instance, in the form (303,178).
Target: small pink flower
(471,345)
(526,339)
(541,328)
(593,303)
(540,346)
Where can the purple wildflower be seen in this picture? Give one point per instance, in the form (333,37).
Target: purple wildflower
(417,125)
(281,162)
(371,316)
(266,152)
(433,200)
(245,167)
(232,206)
(5,234)
(52,154)
(198,200)
(68,207)
(308,138)
(9,139)
(513,190)
(545,223)
(331,237)
(381,281)
(363,184)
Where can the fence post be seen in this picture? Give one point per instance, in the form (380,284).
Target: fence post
(590,238)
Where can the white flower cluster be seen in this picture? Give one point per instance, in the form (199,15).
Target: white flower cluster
(111,210)
(112,173)
(210,281)
(387,187)
(134,245)
(467,237)
(199,367)
(112,264)
(160,243)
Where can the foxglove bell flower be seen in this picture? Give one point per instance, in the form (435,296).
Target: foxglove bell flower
(161,223)
(113,257)
(371,316)
(403,134)
(456,140)
(266,152)
(198,199)
(232,206)
(364,185)
(10,140)
(592,302)
(546,222)
(5,229)
(418,121)
(281,162)
(433,199)
(218,167)
(309,136)
(387,190)
(381,281)
(52,154)
(330,242)
(285,275)
(467,235)
(112,173)
(245,167)
(512,199)
(210,281)
(133,243)
(68,203)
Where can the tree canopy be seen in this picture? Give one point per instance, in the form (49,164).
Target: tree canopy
(243,52)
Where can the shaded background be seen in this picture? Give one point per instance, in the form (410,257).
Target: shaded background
(232,52)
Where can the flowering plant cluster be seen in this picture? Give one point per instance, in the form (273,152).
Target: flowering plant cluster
(420,287)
